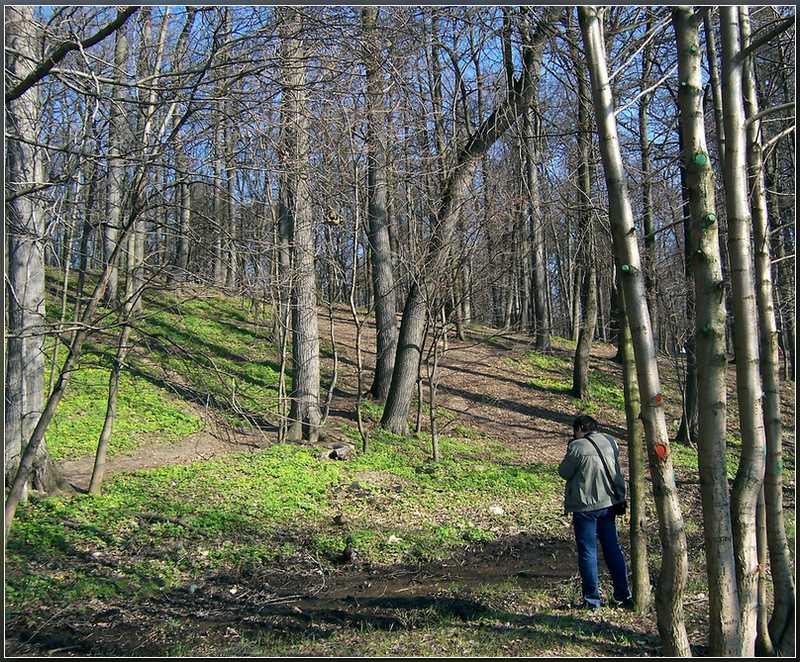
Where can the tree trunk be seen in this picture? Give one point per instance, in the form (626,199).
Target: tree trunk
(642,595)
(378,229)
(780,561)
(648,224)
(219,212)
(710,344)
(586,254)
(184,216)
(232,232)
(577,280)
(25,281)
(538,257)
(116,164)
(750,474)
(305,413)
(784,272)
(672,578)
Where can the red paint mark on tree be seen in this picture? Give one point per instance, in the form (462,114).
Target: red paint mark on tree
(658,399)
(661,451)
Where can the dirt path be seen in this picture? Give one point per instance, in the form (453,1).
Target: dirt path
(201,445)
(481,389)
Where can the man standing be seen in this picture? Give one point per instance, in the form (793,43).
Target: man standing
(594,494)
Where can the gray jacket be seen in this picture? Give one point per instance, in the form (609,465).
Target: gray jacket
(587,485)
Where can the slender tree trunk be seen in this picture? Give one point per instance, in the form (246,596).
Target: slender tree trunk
(232,231)
(116,164)
(184,216)
(98,472)
(780,561)
(219,212)
(714,81)
(724,636)
(750,474)
(784,273)
(719,126)
(586,253)
(672,578)
(764,645)
(537,229)
(642,596)
(577,279)
(648,224)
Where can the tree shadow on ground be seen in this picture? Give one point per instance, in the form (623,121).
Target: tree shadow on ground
(531,411)
(292,610)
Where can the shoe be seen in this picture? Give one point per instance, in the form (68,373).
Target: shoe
(625,604)
(588,606)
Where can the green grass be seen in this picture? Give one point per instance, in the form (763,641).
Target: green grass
(686,457)
(209,344)
(164,527)
(204,349)
(553,373)
(145,414)
(201,349)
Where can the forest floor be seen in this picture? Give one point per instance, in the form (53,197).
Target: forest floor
(211,539)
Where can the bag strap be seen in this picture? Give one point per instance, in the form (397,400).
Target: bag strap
(605,466)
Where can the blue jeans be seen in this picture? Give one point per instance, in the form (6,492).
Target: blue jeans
(590,526)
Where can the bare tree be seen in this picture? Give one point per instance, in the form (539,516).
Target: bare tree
(305,413)
(395,417)
(25,283)
(780,561)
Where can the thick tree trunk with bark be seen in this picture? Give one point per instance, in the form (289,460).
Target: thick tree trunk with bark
(672,578)
(724,636)
(305,415)
(25,282)
(116,165)
(642,595)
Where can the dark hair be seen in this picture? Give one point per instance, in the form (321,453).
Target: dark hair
(584,423)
